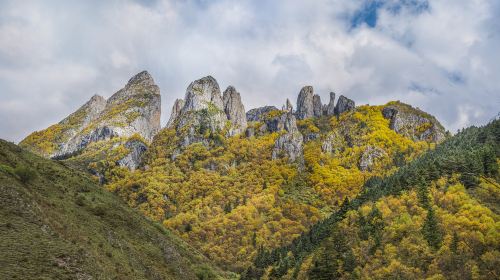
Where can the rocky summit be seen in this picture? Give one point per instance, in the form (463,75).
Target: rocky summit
(235,111)
(134,109)
(413,123)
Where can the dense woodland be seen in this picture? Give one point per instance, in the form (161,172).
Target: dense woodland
(230,199)
(434,218)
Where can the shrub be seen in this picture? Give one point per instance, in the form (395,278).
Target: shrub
(204,272)
(7,169)
(25,173)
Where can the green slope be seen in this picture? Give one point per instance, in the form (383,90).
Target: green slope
(57,223)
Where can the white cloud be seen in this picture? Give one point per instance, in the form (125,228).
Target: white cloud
(55,55)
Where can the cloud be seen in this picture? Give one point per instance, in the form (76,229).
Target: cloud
(441,56)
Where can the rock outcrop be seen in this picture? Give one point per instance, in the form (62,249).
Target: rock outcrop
(134,109)
(288,106)
(203,111)
(344,104)
(289,144)
(330,109)
(317,106)
(257,114)
(235,111)
(369,157)
(133,159)
(176,111)
(305,103)
(413,123)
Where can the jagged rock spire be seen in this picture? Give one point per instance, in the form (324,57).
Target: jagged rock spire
(287,107)
(330,109)
(235,111)
(201,93)
(289,144)
(305,108)
(317,106)
(176,110)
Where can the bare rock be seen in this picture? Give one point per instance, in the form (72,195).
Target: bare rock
(344,104)
(133,159)
(289,144)
(176,111)
(235,111)
(330,110)
(413,123)
(203,94)
(305,106)
(317,106)
(203,111)
(369,156)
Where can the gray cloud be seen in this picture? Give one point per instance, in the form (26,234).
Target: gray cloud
(441,56)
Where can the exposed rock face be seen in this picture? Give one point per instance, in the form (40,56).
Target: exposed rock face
(176,111)
(289,144)
(257,114)
(202,94)
(344,104)
(288,106)
(317,106)
(413,123)
(332,142)
(133,159)
(133,109)
(203,111)
(305,103)
(275,123)
(330,109)
(235,111)
(369,156)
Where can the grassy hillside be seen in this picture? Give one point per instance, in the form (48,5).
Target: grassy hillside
(57,223)
(434,218)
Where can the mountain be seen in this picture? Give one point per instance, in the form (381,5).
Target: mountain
(230,182)
(133,110)
(437,217)
(57,223)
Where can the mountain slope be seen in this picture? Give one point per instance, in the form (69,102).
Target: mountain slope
(135,109)
(436,218)
(57,223)
(228,196)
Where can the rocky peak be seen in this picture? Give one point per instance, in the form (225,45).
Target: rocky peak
(330,109)
(288,106)
(413,123)
(203,109)
(142,84)
(176,110)
(134,109)
(317,106)
(305,106)
(143,78)
(344,104)
(202,93)
(235,111)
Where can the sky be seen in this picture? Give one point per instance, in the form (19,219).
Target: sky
(442,56)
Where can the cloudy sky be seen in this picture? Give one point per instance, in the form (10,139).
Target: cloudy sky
(442,56)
